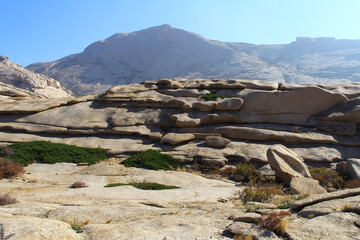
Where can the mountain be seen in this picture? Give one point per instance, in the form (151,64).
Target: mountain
(167,52)
(18,81)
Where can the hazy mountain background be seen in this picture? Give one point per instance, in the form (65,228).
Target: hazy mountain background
(167,52)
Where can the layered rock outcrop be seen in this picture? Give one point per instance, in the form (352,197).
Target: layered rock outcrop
(171,115)
(18,81)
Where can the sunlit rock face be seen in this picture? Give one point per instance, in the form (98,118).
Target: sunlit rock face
(14,78)
(173,116)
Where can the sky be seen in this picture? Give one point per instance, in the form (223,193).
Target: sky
(46,30)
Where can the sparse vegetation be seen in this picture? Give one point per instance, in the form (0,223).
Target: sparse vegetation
(252,207)
(152,159)
(327,178)
(78,184)
(248,171)
(276,222)
(144,185)
(10,169)
(286,203)
(76,224)
(7,199)
(212,97)
(257,192)
(47,152)
(352,183)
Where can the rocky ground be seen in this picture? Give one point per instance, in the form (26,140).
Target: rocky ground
(202,208)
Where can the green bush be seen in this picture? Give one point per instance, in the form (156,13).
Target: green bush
(256,192)
(328,178)
(143,186)
(151,159)
(212,96)
(248,171)
(47,152)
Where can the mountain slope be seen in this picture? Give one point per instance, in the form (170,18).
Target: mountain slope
(14,76)
(167,52)
(158,52)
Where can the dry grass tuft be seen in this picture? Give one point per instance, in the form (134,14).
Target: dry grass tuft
(10,169)
(78,184)
(7,199)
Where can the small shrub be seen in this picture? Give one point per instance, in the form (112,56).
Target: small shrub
(76,224)
(143,185)
(276,221)
(212,97)
(248,171)
(252,207)
(151,159)
(287,203)
(328,178)
(6,199)
(353,183)
(259,192)
(78,184)
(47,152)
(10,169)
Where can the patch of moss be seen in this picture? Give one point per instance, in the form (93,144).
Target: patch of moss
(143,186)
(212,96)
(152,159)
(48,152)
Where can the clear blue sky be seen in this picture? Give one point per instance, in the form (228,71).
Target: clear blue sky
(46,30)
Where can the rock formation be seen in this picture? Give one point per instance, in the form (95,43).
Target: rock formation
(170,115)
(18,81)
(167,52)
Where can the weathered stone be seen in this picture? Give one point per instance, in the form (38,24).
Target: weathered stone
(253,230)
(331,226)
(177,138)
(286,163)
(305,186)
(346,111)
(216,141)
(229,104)
(325,197)
(262,205)
(353,168)
(247,218)
(339,128)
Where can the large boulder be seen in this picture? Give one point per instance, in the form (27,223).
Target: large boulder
(305,186)
(286,163)
(213,141)
(353,168)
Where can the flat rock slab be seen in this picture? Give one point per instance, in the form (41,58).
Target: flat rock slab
(305,186)
(325,197)
(177,138)
(336,225)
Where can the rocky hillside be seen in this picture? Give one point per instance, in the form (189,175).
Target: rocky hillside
(167,52)
(16,80)
(239,122)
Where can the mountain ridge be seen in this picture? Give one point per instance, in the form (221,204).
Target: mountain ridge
(167,52)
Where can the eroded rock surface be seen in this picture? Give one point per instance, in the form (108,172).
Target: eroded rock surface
(252,115)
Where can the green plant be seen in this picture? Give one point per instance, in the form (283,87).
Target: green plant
(257,192)
(78,184)
(252,207)
(144,186)
(152,159)
(47,152)
(276,221)
(212,97)
(286,203)
(10,169)
(6,199)
(328,178)
(248,171)
(76,224)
